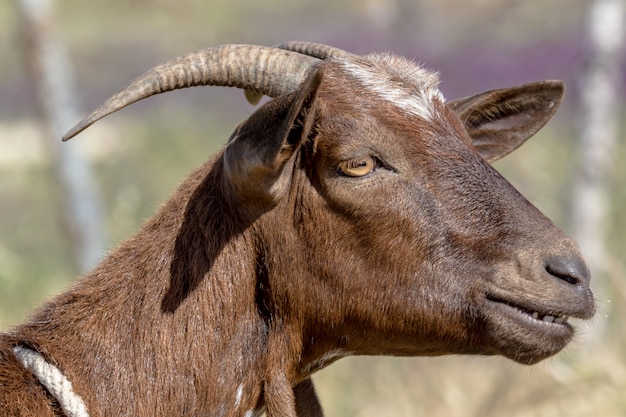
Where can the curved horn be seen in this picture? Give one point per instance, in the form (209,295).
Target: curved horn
(316,50)
(269,71)
(312,49)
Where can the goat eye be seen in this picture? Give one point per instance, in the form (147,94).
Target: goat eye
(358,167)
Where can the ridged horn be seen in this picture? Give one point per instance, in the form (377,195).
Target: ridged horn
(312,49)
(269,71)
(316,50)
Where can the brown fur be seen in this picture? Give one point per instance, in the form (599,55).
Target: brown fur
(267,264)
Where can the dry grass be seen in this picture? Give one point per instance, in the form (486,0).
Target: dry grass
(583,385)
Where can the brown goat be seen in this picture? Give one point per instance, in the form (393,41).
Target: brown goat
(355,213)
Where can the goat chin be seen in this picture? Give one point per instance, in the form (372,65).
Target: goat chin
(354,213)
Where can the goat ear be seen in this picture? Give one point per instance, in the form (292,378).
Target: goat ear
(499,121)
(257,152)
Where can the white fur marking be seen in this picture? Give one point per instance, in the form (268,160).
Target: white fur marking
(238,395)
(53,379)
(323,361)
(381,74)
(255,412)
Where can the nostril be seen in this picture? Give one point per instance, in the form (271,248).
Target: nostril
(573,271)
(565,276)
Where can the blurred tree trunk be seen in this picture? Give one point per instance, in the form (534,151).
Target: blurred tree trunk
(46,60)
(599,122)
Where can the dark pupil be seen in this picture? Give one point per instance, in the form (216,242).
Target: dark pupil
(358,164)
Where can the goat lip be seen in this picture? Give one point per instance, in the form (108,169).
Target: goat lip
(550,319)
(521,335)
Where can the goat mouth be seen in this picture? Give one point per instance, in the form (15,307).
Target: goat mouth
(553,318)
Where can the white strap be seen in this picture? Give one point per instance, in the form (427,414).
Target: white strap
(53,379)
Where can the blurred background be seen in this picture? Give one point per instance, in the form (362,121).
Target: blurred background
(62,205)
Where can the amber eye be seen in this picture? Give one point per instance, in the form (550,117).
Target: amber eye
(357,167)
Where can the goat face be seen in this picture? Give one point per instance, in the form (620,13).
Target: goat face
(401,238)
(381,227)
